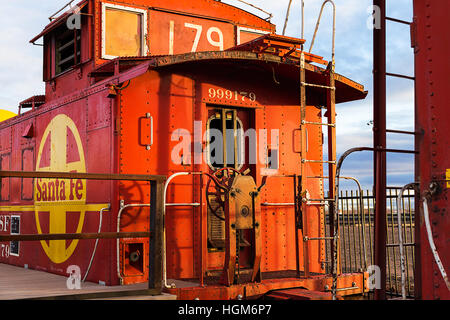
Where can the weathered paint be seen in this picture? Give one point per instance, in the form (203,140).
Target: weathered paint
(431,47)
(122,116)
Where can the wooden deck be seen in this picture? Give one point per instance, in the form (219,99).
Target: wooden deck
(20,283)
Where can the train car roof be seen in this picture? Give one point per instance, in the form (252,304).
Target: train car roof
(285,66)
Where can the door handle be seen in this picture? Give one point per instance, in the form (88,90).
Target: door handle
(145,137)
(148,116)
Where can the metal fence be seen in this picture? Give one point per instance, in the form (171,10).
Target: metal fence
(356,236)
(155,235)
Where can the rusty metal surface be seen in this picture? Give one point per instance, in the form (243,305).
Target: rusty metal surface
(71,236)
(346,89)
(357,226)
(379,142)
(432,114)
(298,294)
(352,284)
(75,175)
(117,117)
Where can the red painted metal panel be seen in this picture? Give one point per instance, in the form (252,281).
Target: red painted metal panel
(432,49)
(124,119)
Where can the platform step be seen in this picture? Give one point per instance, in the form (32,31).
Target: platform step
(298,294)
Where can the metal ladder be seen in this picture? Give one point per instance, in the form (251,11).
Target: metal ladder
(331,161)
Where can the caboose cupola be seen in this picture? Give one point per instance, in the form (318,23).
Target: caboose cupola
(92,32)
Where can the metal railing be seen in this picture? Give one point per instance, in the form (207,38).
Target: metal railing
(357,226)
(155,226)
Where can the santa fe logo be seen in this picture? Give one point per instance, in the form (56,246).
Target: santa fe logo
(60,150)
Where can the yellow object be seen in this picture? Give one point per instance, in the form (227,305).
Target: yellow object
(5,115)
(58,198)
(123,33)
(447,177)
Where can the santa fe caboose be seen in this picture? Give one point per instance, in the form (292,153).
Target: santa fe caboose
(209,97)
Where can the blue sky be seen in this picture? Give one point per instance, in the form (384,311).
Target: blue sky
(21,68)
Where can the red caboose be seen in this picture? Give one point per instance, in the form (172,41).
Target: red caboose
(205,94)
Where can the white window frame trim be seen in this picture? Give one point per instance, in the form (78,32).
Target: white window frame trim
(249,30)
(144,14)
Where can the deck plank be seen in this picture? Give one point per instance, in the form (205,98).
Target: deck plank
(20,283)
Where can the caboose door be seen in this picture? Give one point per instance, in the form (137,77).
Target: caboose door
(226,130)
(228,151)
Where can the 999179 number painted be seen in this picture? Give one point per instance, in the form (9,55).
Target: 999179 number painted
(239,96)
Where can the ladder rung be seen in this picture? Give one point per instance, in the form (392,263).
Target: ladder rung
(318,161)
(409,244)
(317,86)
(400,131)
(267,204)
(321,200)
(400,76)
(319,123)
(344,289)
(398,20)
(317,204)
(306,238)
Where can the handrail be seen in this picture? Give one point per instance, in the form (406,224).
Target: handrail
(164,254)
(400,235)
(338,170)
(155,182)
(438,261)
(361,207)
(96,240)
(257,8)
(334,29)
(122,207)
(69,4)
(287,17)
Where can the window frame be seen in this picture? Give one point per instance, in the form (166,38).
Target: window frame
(248,30)
(208,137)
(78,43)
(143,12)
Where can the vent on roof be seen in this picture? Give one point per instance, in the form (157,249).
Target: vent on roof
(32,103)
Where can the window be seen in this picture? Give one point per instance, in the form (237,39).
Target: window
(123,32)
(272,161)
(5,165)
(217,137)
(247,34)
(15,229)
(27,165)
(67,42)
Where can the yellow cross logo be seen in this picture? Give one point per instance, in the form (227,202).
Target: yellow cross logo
(58,197)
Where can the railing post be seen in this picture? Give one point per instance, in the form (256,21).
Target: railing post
(379,127)
(155,243)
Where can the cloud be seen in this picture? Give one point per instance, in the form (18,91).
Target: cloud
(20,61)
